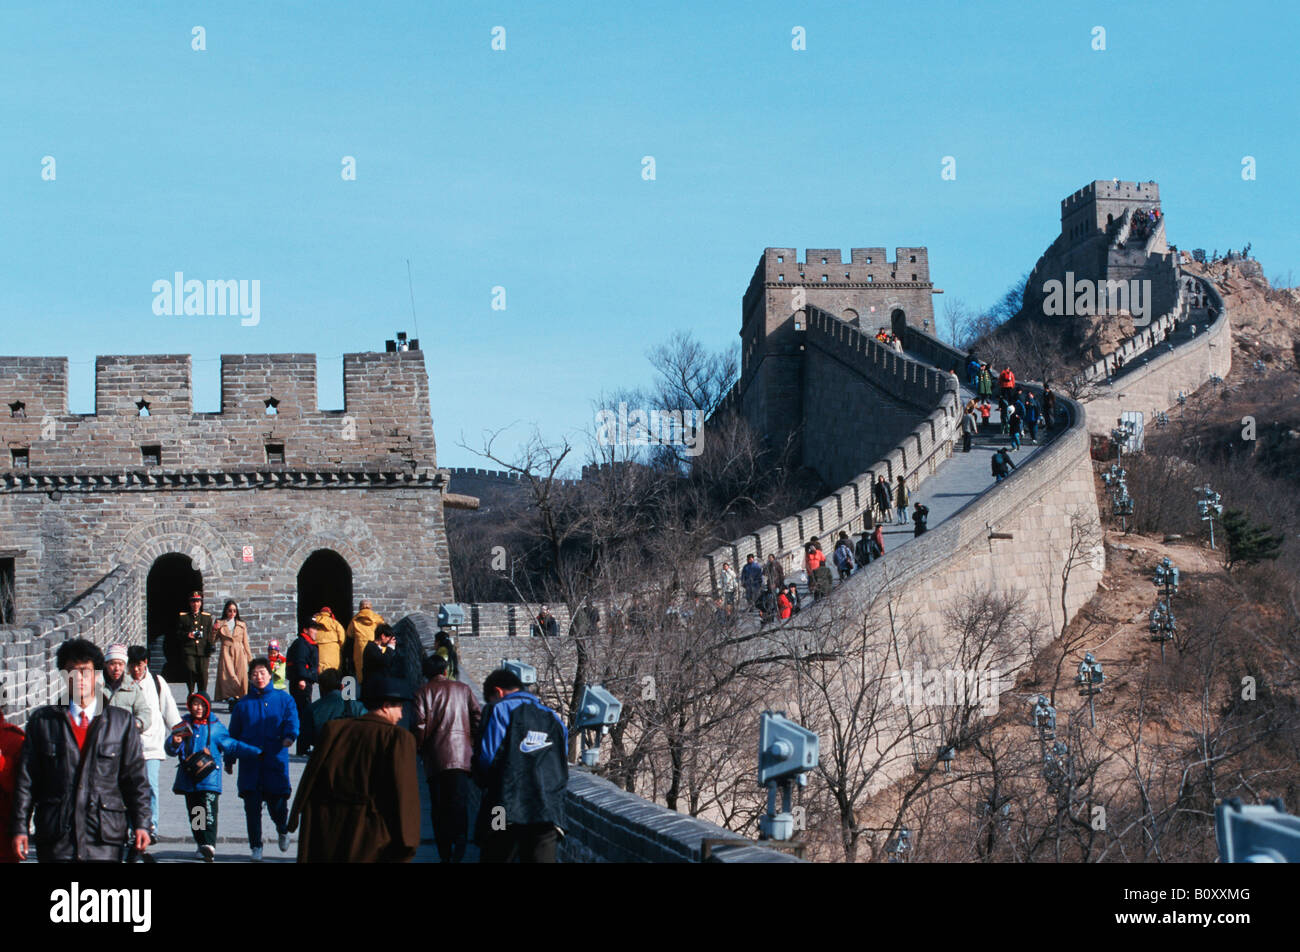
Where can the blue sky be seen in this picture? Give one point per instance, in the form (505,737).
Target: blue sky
(522,169)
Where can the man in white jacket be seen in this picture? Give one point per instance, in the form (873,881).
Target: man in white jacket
(165,716)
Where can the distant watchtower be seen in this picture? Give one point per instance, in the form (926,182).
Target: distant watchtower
(868,291)
(1110,231)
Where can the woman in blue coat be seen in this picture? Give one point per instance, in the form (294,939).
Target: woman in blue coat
(268,720)
(209,735)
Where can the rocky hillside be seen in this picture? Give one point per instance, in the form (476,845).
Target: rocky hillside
(1265,321)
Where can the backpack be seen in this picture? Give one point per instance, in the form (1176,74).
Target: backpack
(843,556)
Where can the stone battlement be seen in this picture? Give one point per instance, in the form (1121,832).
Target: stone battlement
(1112,190)
(144,414)
(826,265)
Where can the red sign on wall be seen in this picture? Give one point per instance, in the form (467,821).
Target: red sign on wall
(248,553)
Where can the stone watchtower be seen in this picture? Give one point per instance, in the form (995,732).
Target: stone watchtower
(1103,239)
(271,501)
(869,291)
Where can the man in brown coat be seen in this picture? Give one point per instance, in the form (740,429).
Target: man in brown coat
(445,724)
(359,799)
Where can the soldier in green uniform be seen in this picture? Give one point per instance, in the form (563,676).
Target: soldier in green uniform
(197,641)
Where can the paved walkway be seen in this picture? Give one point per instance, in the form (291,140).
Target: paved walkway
(1198,317)
(960,479)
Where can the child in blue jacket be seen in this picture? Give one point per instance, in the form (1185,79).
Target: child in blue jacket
(209,735)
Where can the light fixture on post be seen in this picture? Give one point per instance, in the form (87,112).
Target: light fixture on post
(901,846)
(598,711)
(1210,507)
(786,752)
(1163,625)
(1044,721)
(1089,681)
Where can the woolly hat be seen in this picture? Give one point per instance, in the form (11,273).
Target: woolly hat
(115,652)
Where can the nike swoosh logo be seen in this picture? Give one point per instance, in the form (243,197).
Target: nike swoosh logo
(528,748)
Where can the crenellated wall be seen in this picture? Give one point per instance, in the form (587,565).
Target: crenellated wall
(869,291)
(385,422)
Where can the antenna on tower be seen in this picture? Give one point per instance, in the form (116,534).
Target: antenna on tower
(411,284)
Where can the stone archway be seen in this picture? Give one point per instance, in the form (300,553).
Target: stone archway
(184,535)
(325,579)
(897,320)
(182,550)
(170,580)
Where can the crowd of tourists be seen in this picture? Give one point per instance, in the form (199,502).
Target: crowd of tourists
(889,339)
(81,782)
(1142,223)
(764,588)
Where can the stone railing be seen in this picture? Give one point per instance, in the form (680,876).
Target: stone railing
(605,824)
(508,619)
(109,611)
(1155,332)
(1156,384)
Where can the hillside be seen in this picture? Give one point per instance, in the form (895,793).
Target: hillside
(1220,715)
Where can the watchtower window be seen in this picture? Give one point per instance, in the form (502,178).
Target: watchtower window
(151,455)
(846,274)
(142,407)
(275,453)
(823,260)
(780,259)
(18,409)
(870,279)
(272,406)
(825,277)
(18,458)
(7,584)
(868,260)
(780,277)
(912,259)
(913,277)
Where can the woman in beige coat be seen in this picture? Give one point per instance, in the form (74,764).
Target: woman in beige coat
(232,672)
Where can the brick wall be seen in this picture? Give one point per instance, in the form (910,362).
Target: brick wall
(918,586)
(1156,385)
(386,421)
(392,540)
(606,824)
(109,611)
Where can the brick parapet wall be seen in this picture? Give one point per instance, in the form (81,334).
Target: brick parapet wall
(386,420)
(605,824)
(109,611)
(1038,509)
(1155,385)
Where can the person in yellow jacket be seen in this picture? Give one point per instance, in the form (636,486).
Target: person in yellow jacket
(329,639)
(362,632)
